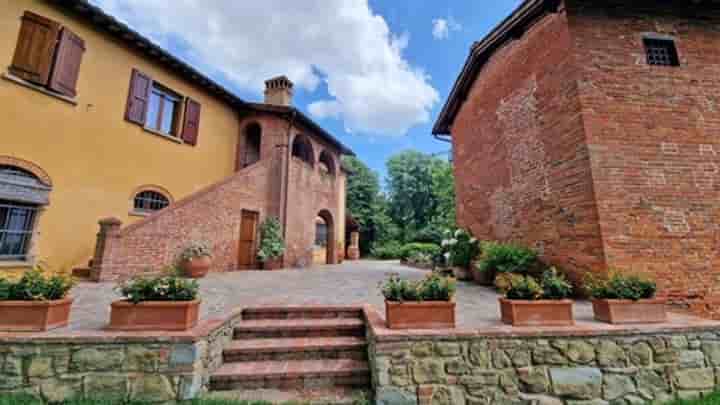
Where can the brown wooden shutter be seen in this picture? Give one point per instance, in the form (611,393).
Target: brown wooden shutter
(138,97)
(66,68)
(35,48)
(191,123)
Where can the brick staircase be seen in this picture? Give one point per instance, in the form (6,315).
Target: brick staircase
(306,353)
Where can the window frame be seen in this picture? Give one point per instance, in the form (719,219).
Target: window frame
(148,211)
(27,231)
(165,94)
(669,44)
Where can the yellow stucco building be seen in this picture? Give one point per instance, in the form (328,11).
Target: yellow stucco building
(103,123)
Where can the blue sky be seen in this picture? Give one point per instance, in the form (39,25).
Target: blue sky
(374,74)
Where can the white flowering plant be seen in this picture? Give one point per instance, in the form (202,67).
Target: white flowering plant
(460,248)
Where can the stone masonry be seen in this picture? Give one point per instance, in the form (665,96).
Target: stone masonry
(570,142)
(597,370)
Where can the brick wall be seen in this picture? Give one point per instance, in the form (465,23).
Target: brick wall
(653,134)
(521,165)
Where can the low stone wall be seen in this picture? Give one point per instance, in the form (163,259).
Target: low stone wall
(147,367)
(591,368)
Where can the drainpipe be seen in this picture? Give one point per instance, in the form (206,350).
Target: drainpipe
(286,172)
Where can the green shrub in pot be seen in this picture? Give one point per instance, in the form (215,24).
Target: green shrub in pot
(434,287)
(164,288)
(552,285)
(620,286)
(35,285)
(500,258)
(272,245)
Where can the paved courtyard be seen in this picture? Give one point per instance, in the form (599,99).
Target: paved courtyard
(348,283)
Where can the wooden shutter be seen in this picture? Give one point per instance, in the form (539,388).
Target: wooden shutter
(191,124)
(66,68)
(35,48)
(138,97)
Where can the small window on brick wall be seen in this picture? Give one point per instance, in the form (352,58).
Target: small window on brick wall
(149,201)
(661,52)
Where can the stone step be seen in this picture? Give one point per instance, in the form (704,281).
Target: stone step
(81,272)
(291,375)
(296,349)
(302,312)
(318,396)
(289,328)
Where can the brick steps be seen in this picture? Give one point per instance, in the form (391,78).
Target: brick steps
(278,328)
(296,349)
(306,353)
(315,396)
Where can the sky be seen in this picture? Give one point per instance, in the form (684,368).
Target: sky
(375,73)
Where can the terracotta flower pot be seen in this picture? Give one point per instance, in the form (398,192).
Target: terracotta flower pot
(197,267)
(420,315)
(629,311)
(482,277)
(462,273)
(273,264)
(34,316)
(154,315)
(537,313)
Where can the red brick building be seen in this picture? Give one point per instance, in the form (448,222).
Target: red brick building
(591,131)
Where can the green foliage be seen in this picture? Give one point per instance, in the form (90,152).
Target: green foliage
(272,245)
(555,286)
(552,286)
(196,249)
(36,286)
(434,287)
(166,288)
(429,249)
(620,286)
(709,399)
(387,251)
(507,258)
(461,247)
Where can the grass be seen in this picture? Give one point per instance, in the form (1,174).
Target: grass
(713,399)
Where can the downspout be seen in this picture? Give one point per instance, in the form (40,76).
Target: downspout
(286,180)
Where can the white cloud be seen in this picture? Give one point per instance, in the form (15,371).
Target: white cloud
(339,43)
(441,27)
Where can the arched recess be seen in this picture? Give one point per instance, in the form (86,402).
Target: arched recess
(303,150)
(31,167)
(330,240)
(149,198)
(252,141)
(327,163)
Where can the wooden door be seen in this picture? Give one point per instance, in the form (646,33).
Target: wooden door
(248,240)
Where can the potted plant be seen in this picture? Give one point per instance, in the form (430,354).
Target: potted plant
(424,304)
(157,303)
(196,259)
(529,302)
(622,299)
(461,248)
(35,303)
(500,258)
(272,245)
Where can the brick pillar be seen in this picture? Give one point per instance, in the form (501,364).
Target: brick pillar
(354,248)
(107,238)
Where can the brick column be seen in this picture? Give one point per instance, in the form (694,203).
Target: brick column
(354,248)
(107,239)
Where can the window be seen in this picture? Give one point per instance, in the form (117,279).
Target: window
(302,149)
(327,164)
(158,109)
(48,55)
(661,52)
(162,111)
(253,136)
(321,233)
(16,227)
(149,201)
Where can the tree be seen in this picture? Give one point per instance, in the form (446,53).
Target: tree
(421,195)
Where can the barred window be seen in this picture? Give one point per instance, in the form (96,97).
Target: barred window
(661,52)
(149,201)
(16,226)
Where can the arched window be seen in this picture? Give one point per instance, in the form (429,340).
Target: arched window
(150,201)
(253,138)
(21,195)
(327,163)
(303,150)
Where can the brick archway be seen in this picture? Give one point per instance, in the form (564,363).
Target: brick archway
(327,216)
(29,166)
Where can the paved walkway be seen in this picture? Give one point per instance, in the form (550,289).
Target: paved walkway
(348,283)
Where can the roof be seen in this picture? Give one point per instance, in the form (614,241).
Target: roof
(303,119)
(98,18)
(512,27)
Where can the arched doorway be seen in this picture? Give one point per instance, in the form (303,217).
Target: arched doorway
(324,250)
(252,141)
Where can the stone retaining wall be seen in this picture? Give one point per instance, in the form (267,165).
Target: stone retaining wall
(632,369)
(151,368)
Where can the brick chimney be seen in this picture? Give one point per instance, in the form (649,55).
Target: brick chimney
(279,91)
